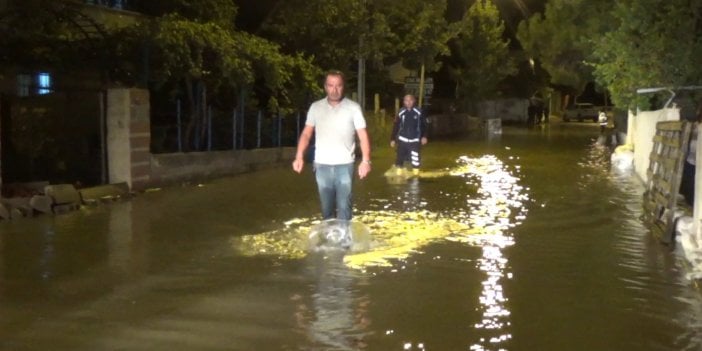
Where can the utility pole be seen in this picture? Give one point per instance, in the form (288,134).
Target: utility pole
(361,79)
(421,86)
(361,86)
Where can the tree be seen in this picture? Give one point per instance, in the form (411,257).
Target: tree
(339,32)
(39,34)
(562,40)
(327,30)
(202,57)
(481,54)
(655,43)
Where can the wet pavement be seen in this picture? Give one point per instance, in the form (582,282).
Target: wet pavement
(523,242)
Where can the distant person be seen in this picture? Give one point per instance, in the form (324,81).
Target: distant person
(335,121)
(409,133)
(687,181)
(547,113)
(602,120)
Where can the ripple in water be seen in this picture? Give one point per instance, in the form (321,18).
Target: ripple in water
(484,220)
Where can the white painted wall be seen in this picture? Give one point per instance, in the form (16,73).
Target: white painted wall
(642,129)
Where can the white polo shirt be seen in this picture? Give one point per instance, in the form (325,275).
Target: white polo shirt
(335,130)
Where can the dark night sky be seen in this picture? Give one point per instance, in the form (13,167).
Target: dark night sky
(253,13)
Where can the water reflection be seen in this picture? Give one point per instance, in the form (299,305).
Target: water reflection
(334,315)
(499,208)
(405,225)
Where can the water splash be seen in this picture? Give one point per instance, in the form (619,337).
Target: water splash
(396,234)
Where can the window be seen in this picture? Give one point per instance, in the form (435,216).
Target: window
(43,83)
(37,84)
(24,84)
(115,4)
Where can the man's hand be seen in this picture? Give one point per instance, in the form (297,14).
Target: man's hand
(424,141)
(298,164)
(363,169)
(392,143)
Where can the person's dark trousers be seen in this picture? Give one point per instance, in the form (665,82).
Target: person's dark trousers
(408,152)
(687,183)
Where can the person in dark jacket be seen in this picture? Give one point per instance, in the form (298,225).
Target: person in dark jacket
(409,132)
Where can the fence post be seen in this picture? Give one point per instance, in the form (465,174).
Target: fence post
(103,133)
(179,126)
(259,117)
(242,104)
(209,128)
(297,125)
(273,131)
(234,128)
(280,127)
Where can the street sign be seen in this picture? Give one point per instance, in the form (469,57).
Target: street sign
(412,85)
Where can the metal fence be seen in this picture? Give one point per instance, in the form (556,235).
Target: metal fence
(233,129)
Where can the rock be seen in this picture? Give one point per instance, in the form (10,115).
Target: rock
(19,206)
(63,194)
(4,211)
(16,213)
(41,203)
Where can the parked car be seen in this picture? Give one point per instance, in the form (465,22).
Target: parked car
(580,112)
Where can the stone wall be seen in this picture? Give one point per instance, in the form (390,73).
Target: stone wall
(176,167)
(508,110)
(452,124)
(131,161)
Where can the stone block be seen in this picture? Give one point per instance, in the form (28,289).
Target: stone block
(65,208)
(493,126)
(41,203)
(103,193)
(24,189)
(63,194)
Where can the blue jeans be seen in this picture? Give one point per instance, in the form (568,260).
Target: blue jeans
(334,185)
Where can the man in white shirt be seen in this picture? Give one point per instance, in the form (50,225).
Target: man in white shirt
(335,121)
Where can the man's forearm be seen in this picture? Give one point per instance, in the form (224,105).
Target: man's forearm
(302,146)
(365,144)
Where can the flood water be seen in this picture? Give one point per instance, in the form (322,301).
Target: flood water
(524,242)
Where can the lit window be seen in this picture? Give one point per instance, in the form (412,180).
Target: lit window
(115,4)
(24,84)
(43,83)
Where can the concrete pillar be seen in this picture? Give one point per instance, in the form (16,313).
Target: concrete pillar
(129,137)
(630,128)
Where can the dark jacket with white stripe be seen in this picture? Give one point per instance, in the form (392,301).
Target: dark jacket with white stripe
(410,125)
